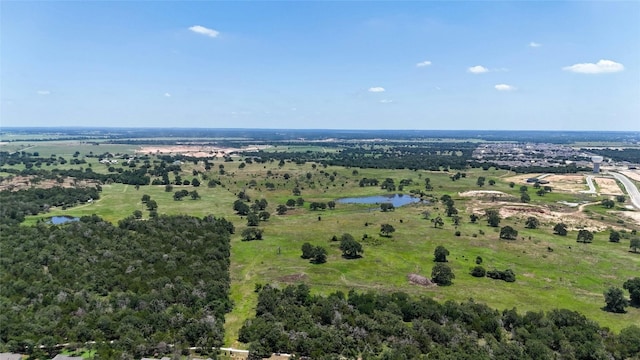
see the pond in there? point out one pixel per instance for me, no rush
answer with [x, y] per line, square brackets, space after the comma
[57, 220]
[396, 199]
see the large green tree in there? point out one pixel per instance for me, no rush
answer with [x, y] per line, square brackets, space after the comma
[351, 249]
[614, 300]
[440, 254]
[442, 274]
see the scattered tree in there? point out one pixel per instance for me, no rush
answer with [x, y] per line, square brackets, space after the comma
[440, 254]
[281, 209]
[560, 229]
[351, 249]
[508, 233]
[621, 198]
[253, 219]
[331, 204]
[634, 244]
[386, 230]
[387, 207]
[532, 222]
[478, 271]
[608, 203]
[585, 236]
[633, 286]
[442, 274]
[437, 222]
[524, 197]
[615, 301]
[614, 236]
[493, 217]
[251, 233]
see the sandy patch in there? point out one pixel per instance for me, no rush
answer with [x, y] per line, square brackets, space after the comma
[567, 183]
[197, 150]
[483, 193]
[632, 174]
[522, 179]
[419, 280]
[608, 186]
[632, 215]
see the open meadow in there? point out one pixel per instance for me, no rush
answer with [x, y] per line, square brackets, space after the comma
[552, 271]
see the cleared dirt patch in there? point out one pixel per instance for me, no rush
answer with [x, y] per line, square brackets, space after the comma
[632, 174]
[608, 186]
[197, 151]
[632, 215]
[568, 183]
[484, 193]
[293, 278]
[419, 280]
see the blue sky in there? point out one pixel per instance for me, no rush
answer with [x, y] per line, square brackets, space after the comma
[339, 65]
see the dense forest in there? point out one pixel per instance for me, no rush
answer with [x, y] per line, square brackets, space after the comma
[396, 326]
[18, 204]
[145, 285]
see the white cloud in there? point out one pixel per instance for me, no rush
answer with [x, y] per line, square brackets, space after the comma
[504, 87]
[534, 44]
[167, 95]
[478, 69]
[386, 101]
[601, 67]
[43, 92]
[424, 63]
[204, 31]
[376, 89]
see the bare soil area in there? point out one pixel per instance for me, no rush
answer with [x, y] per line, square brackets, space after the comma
[16, 183]
[608, 186]
[568, 183]
[632, 174]
[419, 280]
[483, 193]
[196, 151]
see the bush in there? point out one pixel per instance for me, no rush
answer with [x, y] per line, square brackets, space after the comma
[478, 271]
[507, 275]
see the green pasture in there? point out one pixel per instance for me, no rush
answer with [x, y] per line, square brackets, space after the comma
[552, 271]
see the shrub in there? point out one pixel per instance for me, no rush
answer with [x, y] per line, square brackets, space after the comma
[478, 271]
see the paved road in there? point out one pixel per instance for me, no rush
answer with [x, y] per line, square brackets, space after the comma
[592, 187]
[632, 189]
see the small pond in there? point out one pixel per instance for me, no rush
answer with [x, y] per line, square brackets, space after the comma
[396, 199]
[57, 220]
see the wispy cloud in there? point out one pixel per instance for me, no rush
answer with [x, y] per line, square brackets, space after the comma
[504, 87]
[386, 101]
[424, 63]
[534, 44]
[478, 69]
[43, 92]
[167, 95]
[204, 31]
[601, 67]
[376, 89]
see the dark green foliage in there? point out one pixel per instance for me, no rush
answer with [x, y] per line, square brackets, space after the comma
[105, 283]
[15, 205]
[634, 244]
[621, 198]
[608, 203]
[507, 275]
[614, 236]
[493, 217]
[387, 207]
[437, 222]
[478, 260]
[387, 230]
[560, 229]
[253, 219]
[508, 233]
[478, 271]
[351, 249]
[532, 222]
[281, 209]
[633, 286]
[614, 300]
[473, 218]
[524, 197]
[442, 274]
[251, 233]
[585, 236]
[241, 207]
[440, 254]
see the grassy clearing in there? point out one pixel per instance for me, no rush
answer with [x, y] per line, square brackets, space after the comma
[571, 276]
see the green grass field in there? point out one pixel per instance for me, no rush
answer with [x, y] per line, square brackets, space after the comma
[572, 275]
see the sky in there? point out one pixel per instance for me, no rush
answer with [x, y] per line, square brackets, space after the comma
[494, 65]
